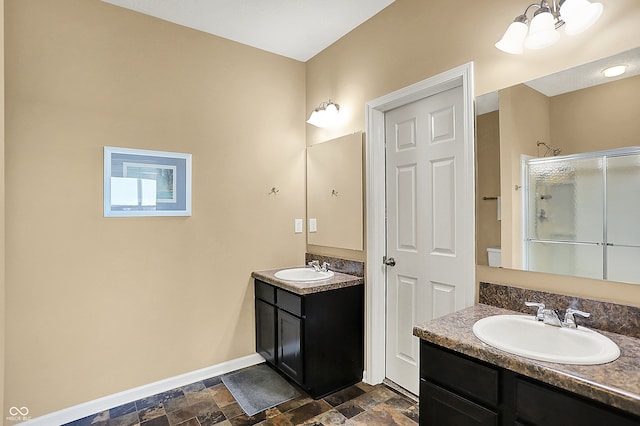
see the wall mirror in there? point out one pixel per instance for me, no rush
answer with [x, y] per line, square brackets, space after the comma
[334, 193]
[559, 173]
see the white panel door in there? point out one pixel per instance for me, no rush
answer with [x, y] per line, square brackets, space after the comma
[424, 178]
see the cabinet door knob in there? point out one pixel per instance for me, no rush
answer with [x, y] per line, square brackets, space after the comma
[389, 261]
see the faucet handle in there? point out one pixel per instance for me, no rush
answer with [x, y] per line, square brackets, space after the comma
[325, 266]
[570, 319]
[540, 306]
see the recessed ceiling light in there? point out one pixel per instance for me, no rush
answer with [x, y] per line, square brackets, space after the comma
[614, 71]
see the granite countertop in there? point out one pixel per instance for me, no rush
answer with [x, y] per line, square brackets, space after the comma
[616, 383]
[339, 280]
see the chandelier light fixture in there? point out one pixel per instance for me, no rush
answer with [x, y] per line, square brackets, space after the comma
[541, 32]
[325, 115]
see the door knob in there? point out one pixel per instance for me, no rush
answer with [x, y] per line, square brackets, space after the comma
[389, 261]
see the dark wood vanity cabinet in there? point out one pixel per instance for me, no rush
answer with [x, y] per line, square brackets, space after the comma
[462, 391]
[316, 339]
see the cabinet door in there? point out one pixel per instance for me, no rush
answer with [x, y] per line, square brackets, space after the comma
[289, 347]
[266, 330]
[443, 408]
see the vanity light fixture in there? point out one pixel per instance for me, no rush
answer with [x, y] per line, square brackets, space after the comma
[576, 15]
[325, 115]
[614, 71]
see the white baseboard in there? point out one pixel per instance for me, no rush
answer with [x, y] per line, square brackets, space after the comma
[98, 405]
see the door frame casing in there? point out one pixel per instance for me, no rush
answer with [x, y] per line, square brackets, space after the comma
[375, 298]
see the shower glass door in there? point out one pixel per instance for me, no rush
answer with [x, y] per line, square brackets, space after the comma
[622, 218]
[581, 215]
[564, 208]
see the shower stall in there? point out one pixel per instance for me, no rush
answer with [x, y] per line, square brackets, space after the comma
[582, 215]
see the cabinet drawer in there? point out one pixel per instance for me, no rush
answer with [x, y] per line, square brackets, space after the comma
[265, 292]
[441, 407]
[477, 381]
[290, 302]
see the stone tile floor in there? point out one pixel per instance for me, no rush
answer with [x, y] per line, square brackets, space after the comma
[208, 402]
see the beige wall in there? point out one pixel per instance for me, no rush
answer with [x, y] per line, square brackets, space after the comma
[2, 217]
[524, 120]
[577, 117]
[487, 184]
[413, 39]
[99, 305]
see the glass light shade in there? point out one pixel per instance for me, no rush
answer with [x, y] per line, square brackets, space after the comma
[313, 118]
[322, 120]
[324, 116]
[579, 15]
[542, 31]
[319, 118]
[331, 114]
[331, 110]
[513, 38]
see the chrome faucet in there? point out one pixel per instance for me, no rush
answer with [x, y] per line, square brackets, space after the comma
[315, 264]
[552, 317]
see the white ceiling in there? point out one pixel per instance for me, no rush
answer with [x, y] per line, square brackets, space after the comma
[576, 78]
[587, 75]
[298, 29]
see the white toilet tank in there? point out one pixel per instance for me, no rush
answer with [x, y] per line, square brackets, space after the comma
[495, 256]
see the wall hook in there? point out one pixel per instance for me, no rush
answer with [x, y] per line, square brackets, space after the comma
[334, 192]
[274, 190]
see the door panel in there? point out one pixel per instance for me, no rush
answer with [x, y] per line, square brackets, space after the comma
[406, 224]
[425, 155]
[406, 132]
[443, 125]
[406, 294]
[443, 296]
[443, 188]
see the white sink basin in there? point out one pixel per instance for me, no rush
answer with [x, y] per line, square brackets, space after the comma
[303, 274]
[524, 336]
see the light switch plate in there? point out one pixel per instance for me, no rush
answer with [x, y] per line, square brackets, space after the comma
[298, 226]
[313, 225]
